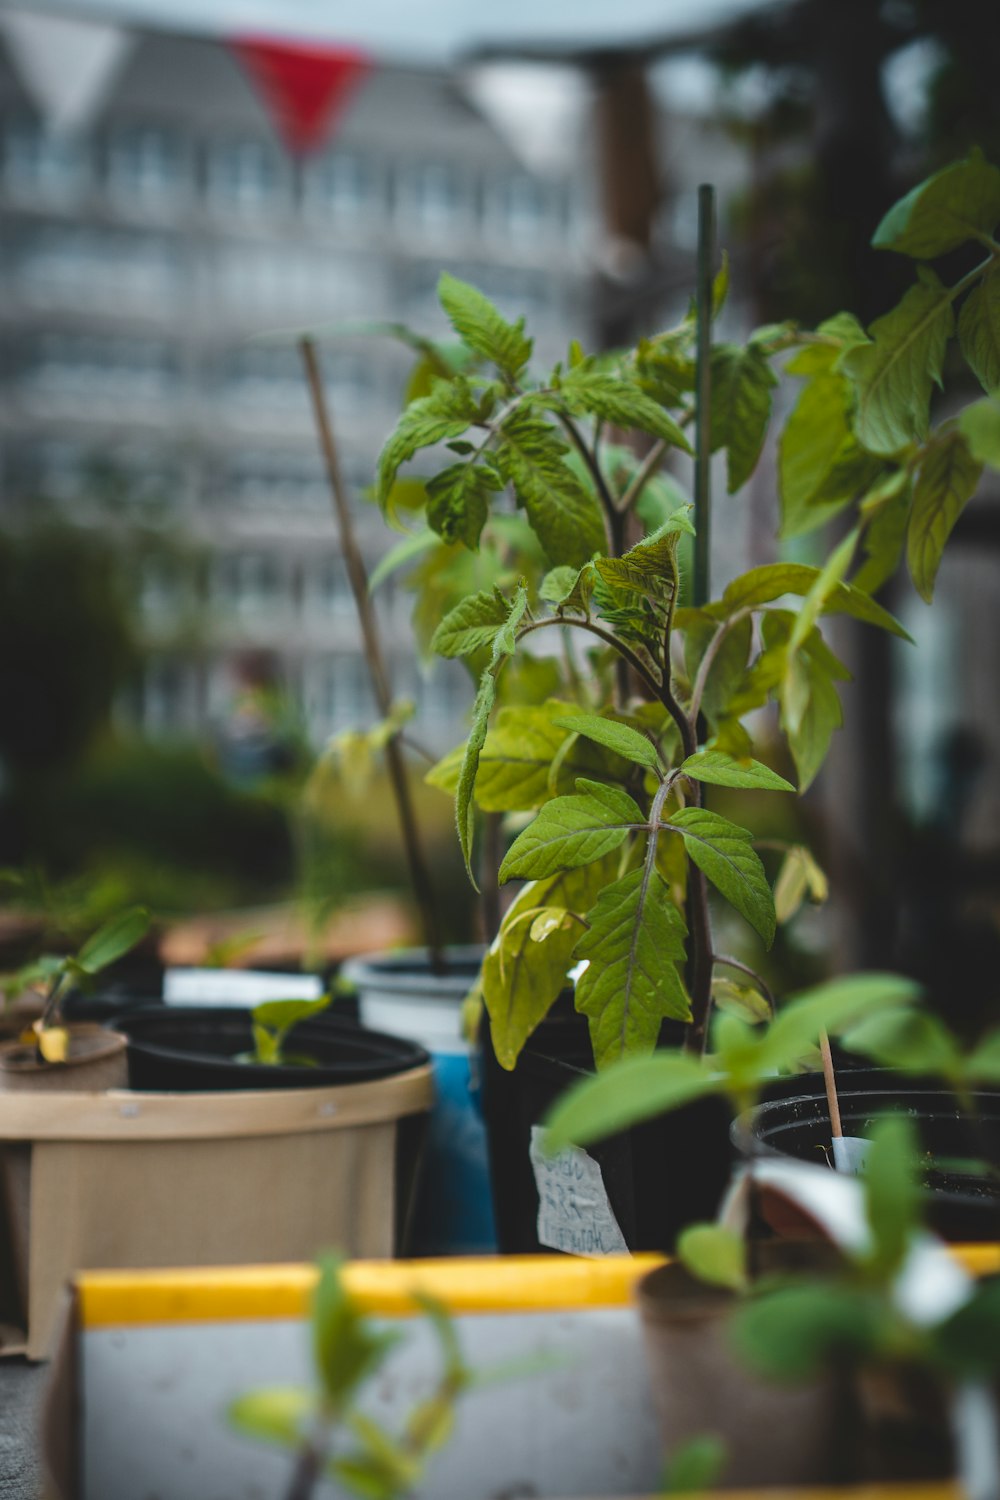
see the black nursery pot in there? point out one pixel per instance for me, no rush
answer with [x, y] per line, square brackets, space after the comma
[960, 1206]
[194, 1049]
[658, 1176]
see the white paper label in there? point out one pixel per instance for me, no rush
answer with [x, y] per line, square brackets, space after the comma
[850, 1153]
[239, 987]
[573, 1209]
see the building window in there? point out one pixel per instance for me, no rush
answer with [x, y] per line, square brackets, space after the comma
[431, 197]
[326, 591]
[248, 585]
[39, 164]
[341, 186]
[146, 167]
[524, 209]
[243, 175]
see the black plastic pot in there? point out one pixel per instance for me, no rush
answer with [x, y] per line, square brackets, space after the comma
[960, 1206]
[192, 1049]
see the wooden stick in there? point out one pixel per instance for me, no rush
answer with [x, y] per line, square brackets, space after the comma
[701, 582]
[419, 870]
[830, 1080]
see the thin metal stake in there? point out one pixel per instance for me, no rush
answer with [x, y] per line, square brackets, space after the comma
[701, 584]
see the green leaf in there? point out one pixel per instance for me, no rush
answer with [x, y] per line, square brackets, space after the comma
[695, 1464]
[526, 759]
[451, 408]
[715, 1255]
[800, 876]
[344, 1347]
[572, 831]
[893, 374]
[892, 1195]
[648, 568]
[979, 331]
[564, 514]
[810, 441]
[281, 1015]
[407, 551]
[883, 539]
[983, 1063]
[794, 1332]
[480, 326]
[834, 1007]
[773, 580]
[280, 1414]
[722, 770]
[947, 481]
[525, 969]
[913, 1041]
[823, 350]
[631, 983]
[809, 702]
[966, 1343]
[633, 1090]
[740, 1000]
[728, 669]
[726, 854]
[504, 643]
[458, 502]
[961, 202]
[113, 940]
[620, 401]
[472, 625]
[829, 578]
[980, 426]
[613, 735]
[742, 381]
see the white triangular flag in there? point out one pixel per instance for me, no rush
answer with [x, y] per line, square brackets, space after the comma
[66, 66]
[539, 109]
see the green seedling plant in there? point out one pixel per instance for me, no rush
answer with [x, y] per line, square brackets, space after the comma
[272, 1020]
[324, 1426]
[658, 695]
[59, 973]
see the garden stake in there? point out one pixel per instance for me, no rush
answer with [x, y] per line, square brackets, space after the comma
[419, 871]
[703, 421]
[830, 1083]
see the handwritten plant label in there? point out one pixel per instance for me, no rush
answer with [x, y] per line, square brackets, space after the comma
[573, 1209]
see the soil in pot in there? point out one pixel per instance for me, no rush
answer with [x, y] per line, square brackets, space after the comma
[400, 993]
[961, 1205]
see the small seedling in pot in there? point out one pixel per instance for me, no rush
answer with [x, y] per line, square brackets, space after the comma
[61, 972]
[272, 1021]
[349, 1348]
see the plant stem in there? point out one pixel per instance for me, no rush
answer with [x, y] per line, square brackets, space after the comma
[590, 459]
[729, 962]
[705, 665]
[418, 867]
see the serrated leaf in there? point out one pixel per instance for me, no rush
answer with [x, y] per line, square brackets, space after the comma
[472, 625]
[648, 568]
[742, 381]
[636, 1089]
[883, 540]
[980, 426]
[631, 983]
[481, 327]
[522, 977]
[564, 514]
[979, 331]
[504, 643]
[572, 831]
[956, 204]
[725, 853]
[773, 580]
[722, 770]
[450, 409]
[113, 940]
[620, 401]
[714, 1255]
[613, 735]
[568, 588]
[893, 375]
[947, 481]
[458, 502]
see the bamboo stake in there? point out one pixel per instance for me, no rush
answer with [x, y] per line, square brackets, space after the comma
[830, 1082]
[419, 871]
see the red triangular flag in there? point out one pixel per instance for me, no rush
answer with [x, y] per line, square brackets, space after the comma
[304, 86]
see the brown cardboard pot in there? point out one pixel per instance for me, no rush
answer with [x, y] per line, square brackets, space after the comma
[96, 1062]
[773, 1435]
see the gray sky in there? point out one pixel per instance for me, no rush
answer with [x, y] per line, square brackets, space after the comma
[415, 30]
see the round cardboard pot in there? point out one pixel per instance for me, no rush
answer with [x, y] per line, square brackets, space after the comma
[197, 1049]
[959, 1206]
[773, 1435]
[96, 1062]
[400, 993]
